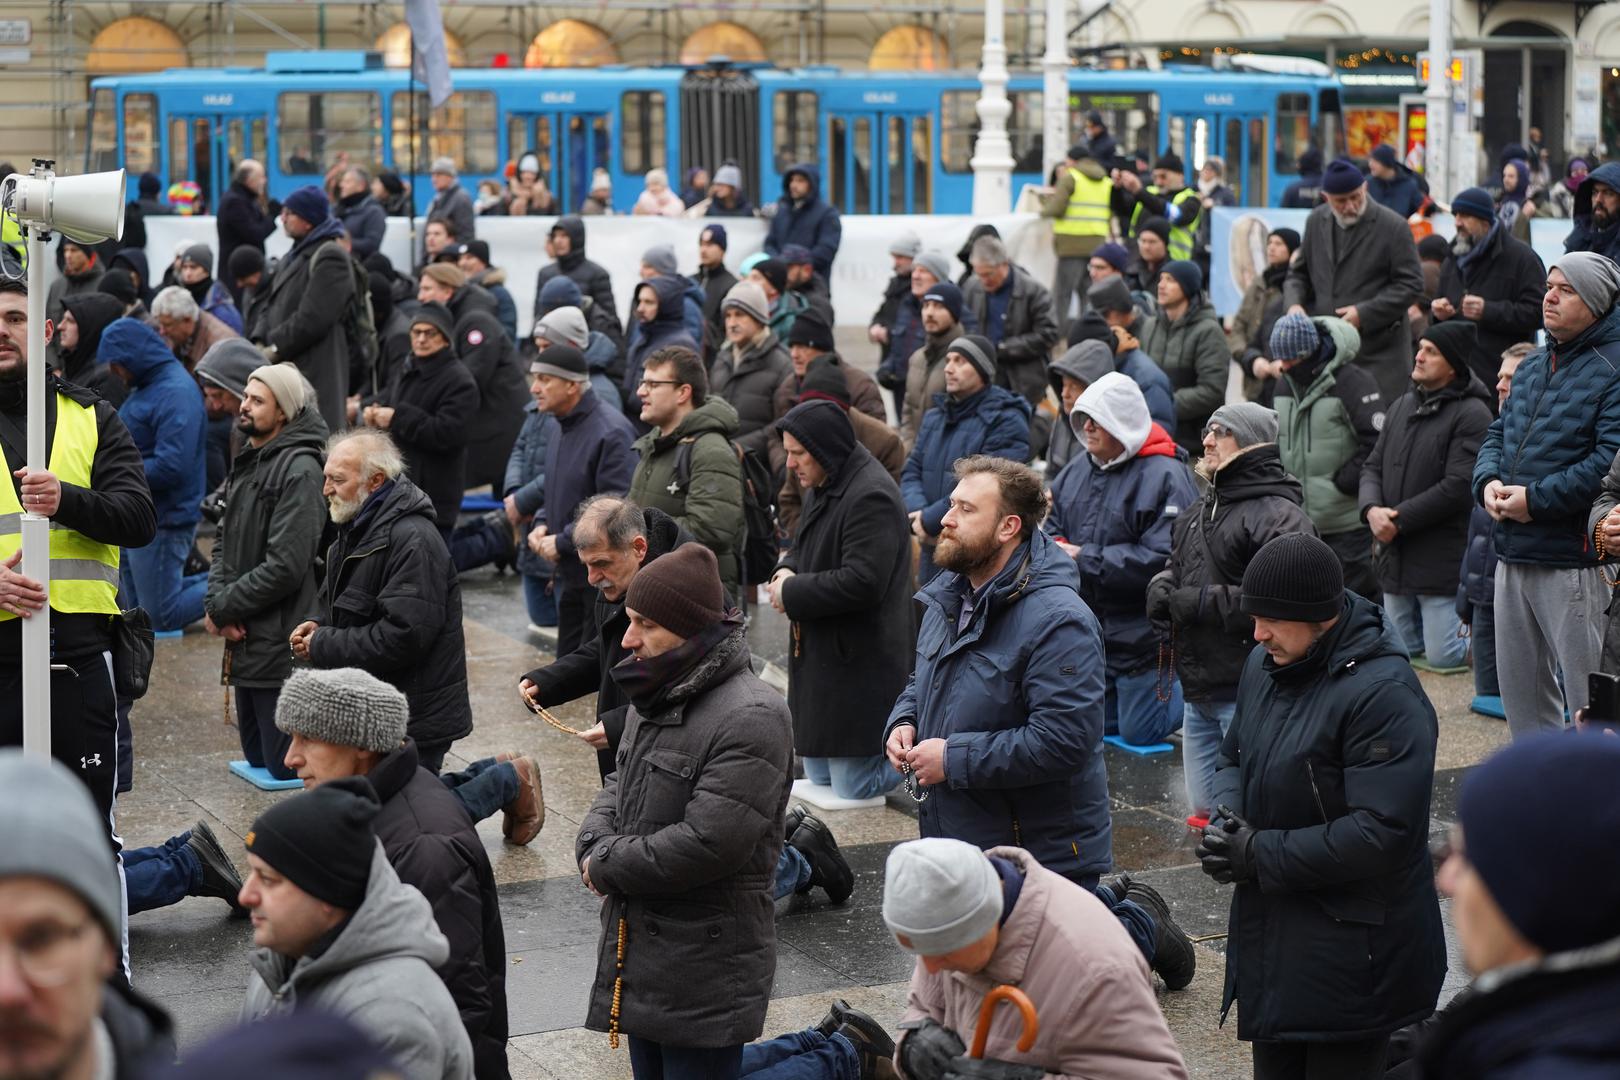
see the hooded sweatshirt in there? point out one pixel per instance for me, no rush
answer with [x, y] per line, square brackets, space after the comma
[593, 281]
[809, 222]
[1586, 235]
[1086, 362]
[667, 328]
[165, 417]
[94, 312]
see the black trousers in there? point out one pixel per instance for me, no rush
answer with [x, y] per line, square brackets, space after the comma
[84, 724]
[574, 600]
[1359, 1060]
[1354, 549]
[263, 744]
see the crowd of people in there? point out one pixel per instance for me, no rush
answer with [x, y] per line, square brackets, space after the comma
[1086, 511]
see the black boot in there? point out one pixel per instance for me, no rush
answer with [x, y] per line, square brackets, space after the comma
[219, 876]
[872, 1044]
[827, 866]
[795, 817]
[1174, 958]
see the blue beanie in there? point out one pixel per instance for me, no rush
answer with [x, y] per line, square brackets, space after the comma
[1187, 275]
[1114, 255]
[560, 291]
[715, 234]
[1475, 202]
[1341, 178]
[308, 202]
[948, 294]
[1539, 821]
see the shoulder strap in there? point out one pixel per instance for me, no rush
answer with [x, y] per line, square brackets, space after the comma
[683, 461]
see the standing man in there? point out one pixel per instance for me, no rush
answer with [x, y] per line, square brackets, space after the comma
[716, 282]
[1186, 341]
[1390, 184]
[362, 215]
[1323, 786]
[1001, 722]
[566, 242]
[590, 454]
[1540, 469]
[941, 319]
[262, 580]
[1015, 312]
[688, 468]
[1357, 261]
[1168, 197]
[1491, 280]
[245, 218]
[693, 857]
[390, 602]
[845, 587]
[1416, 494]
[474, 262]
[94, 490]
[189, 330]
[749, 365]
[451, 203]
[803, 217]
[1079, 205]
[304, 306]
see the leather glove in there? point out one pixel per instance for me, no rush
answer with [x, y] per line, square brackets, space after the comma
[928, 1048]
[273, 208]
[1158, 602]
[1226, 852]
[966, 1068]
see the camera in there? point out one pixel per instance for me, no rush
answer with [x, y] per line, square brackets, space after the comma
[1602, 701]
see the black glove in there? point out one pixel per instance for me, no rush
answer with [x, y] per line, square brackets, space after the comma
[928, 1048]
[966, 1068]
[1226, 851]
[273, 208]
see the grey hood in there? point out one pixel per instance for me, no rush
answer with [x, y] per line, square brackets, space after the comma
[1087, 361]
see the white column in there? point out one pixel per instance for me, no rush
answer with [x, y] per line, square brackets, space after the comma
[992, 161]
[1438, 99]
[1055, 89]
[36, 530]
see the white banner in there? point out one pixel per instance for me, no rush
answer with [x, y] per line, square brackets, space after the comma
[860, 273]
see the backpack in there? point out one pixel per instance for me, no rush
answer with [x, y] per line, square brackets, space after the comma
[759, 551]
[359, 322]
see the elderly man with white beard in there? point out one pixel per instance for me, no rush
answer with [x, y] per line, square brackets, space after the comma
[1358, 262]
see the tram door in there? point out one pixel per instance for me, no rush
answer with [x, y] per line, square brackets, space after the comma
[206, 150]
[570, 145]
[1240, 138]
[878, 162]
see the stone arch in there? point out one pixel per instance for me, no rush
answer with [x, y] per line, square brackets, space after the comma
[909, 48]
[726, 39]
[1215, 22]
[571, 43]
[395, 45]
[1323, 20]
[135, 44]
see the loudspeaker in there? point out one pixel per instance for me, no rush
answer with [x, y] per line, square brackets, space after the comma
[88, 208]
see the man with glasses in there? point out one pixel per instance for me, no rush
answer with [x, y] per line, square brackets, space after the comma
[688, 468]
[61, 1013]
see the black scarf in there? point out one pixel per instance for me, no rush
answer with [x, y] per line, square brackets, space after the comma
[662, 680]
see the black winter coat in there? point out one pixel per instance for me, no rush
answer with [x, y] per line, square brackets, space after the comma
[141, 1033]
[1507, 274]
[363, 216]
[241, 223]
[1331, 759]
[593, 281]
[1422, 467]
[1476, 586]
[263, 571]
[683, 842]
[715, 284]
[850, 604]
[482, 345]
[749, 385]
[586, 668]
[391, 604]
[433, 845]
[435, 403]
[303, 309]
[1249, 501]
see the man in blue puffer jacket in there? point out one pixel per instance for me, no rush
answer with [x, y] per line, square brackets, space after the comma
[1538, 473]
[1113, 508]
[165, 416]
[804, 218]
[971, 417]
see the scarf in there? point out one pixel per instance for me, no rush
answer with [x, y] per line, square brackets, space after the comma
[655, 682]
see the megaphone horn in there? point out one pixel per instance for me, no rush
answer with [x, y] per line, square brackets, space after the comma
[88, 208]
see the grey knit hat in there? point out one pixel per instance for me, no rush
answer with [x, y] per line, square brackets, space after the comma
[1595, 279]
[661, 257]
[1248, 422]
[906, 244]
[935, 262]
[287, 384]
[54, 832]
[940, 894]
[230, 363]
[346, 706]
[1111, 294]
[749, 299]
[564, 326]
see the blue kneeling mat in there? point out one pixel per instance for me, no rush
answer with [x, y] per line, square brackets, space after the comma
[1144, 750]
[260, 777]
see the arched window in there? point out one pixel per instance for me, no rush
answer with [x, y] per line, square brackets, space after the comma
[135, 44]
[571, 43]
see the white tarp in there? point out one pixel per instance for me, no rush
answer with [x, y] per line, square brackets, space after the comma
[860, 274]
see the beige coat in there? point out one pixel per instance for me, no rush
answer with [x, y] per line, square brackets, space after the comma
[925, 377]
[1087, 980]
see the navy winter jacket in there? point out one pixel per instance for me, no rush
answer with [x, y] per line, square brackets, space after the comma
[1585, 236]
[588, 453]
[813, 224]
[526, 475]
[1557, 435]
[1476, 586]
[994, 421]
[1122, 519]
[1018, 698]
[667, 329]
[1400, 193]
[165, 416]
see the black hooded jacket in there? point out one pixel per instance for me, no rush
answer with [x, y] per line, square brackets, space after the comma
[667, 329]
[586, 669]
[94, 312]
[490, 356]
[593, 281]
[141, 1032]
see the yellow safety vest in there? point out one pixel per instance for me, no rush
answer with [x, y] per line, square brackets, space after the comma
[1088, 211]
[84, 572]
[11, 236]
[1181, 237]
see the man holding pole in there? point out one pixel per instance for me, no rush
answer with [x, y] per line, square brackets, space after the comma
[94, 492]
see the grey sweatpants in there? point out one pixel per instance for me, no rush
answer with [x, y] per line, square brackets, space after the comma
[1548, 621]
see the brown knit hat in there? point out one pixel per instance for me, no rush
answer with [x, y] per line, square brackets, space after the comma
[680, 591]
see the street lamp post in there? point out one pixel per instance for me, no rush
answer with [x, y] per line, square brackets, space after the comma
[992, 162]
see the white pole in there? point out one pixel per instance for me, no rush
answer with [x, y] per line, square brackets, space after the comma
[36, 530]
[1438, 97]
[992, 162]
[1055, 90]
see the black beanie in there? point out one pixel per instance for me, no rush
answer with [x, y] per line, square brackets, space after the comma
[1455, 338]
[322, 840]
[1294, 577]
[1434, 249]
[823, 428]
[244, 262]
[824, 381]
[680, 591]
[1090, 326]
[1156, 225]
[437, 316]
[1287, 236]
[773, 271]
[812, 330]
[977, 350]
[118, 283]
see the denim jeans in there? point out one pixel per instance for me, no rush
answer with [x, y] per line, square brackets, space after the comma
[1132, 709]
[477, 543]
[1136, 919]
[1483, 635]
[153, 578]
[484, 787]
[655, 1061]
[792, 872]
[537, 598]
[1203, 727]
[802, 1055]
[159, 876]
[1428, 625]
[852, 777]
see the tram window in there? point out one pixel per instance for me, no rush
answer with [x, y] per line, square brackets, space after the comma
[793, 122]
[103, 131]
[1175, 142]
[463, 129]
[958, 129]
[1132, 119]
[922, 166]
[1232, 145]
[179, 150]
[1330, 125]
[641, 139]
[530, 134]
[1025, 130]
[1258, 193]
[894, 165]
[1293, 130]
[140, 133]
[314, 129]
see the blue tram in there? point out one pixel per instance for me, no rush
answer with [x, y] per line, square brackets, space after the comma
[886, 142]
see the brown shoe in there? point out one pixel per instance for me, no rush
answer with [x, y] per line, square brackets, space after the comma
[524, 816]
